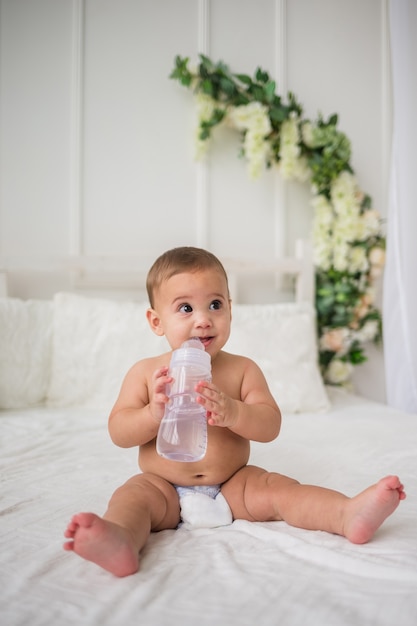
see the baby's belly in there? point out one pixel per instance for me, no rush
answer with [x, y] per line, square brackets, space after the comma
[225, 455]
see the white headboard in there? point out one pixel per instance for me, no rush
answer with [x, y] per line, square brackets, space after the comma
[287, 278]
[299, 269]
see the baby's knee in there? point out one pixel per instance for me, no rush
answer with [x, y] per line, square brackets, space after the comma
[152, 484]
[276, 481]
[142, 486]
[152, 495]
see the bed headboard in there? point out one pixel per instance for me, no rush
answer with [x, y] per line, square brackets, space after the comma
[283, 279]
[293, 276]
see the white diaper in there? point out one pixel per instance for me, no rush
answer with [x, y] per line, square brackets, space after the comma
[203, 506]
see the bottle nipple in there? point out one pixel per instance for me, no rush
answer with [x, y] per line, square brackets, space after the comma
[194, 342]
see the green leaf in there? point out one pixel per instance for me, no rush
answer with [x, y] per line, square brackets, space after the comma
[204, 133]
[181, 71]
[227, 86]
[356, 355]
[206, 63]
[244, 78]
[261, 76]
[258, 93]
[240, 99]
[207, 87]
[270, 90]
[278, 114]
[366, 202]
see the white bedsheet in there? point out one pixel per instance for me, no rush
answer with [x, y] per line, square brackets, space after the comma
[55, 462]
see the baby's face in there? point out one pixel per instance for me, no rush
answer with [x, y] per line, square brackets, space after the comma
[194, 304]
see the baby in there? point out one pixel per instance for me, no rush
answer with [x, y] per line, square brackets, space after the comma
[189, 297]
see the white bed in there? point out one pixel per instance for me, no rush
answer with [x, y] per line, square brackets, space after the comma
[56, 458]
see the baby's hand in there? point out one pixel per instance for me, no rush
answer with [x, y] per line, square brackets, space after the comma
[158, 396]
[221, 409]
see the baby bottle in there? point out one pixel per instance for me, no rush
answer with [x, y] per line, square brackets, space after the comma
[182, 434]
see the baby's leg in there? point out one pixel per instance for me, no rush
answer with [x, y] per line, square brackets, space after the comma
[254, 494]
[143, 504]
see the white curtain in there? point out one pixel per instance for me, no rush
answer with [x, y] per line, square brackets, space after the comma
[400, 280]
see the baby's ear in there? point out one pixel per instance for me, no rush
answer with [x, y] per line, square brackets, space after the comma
[155, 322]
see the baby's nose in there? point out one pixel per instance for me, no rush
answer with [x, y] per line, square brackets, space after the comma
[203, 320]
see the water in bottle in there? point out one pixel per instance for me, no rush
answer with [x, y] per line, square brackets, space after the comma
[182, 434]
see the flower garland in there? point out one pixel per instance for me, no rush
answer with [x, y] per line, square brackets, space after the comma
[348, 244]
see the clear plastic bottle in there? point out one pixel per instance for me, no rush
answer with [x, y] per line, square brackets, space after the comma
[182, 434]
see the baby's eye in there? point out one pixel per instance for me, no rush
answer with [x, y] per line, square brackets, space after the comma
[185, 308]
[215, 305]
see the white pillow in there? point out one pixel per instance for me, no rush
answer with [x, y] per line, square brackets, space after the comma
[25, 351]
[95, 342]
[281, 339]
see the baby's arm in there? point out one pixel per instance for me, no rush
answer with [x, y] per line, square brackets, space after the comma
[254, 416]
[134, 419]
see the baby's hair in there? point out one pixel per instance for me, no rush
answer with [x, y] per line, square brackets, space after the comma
[177, 261]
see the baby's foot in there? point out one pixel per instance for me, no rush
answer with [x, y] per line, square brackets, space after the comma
[102, 542]
[368, 510]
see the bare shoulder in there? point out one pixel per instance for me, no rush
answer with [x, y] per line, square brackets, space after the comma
[137, 380]
[149, 365]
[236, 367]
[245, 379]
[144, 369]
[227, 359]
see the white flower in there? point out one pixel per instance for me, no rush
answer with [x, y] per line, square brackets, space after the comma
[341, 255]
[256, 150]
[345, 227]
[205, 106]
[368, 225]
[344, 194]
[322, 255]
[338, 372]
[253, 115]
[322, 230]
[321, 203]
[302, 170]
[292, 165]
[307, 133]
[358, 261]
[253, 120]
[205, 109]
[368, 332]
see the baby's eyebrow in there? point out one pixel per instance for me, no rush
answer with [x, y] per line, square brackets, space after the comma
[181, 299]
[212, 296]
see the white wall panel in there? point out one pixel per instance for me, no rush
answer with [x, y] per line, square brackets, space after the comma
[34, 126]
[139, 180]
[243, 212]
[97, 142]
[336, 65]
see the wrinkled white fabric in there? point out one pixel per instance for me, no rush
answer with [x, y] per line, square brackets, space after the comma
[25, 351]
[56, 462]
[400, 281]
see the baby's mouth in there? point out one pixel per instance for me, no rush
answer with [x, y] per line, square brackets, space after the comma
[206, 341]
